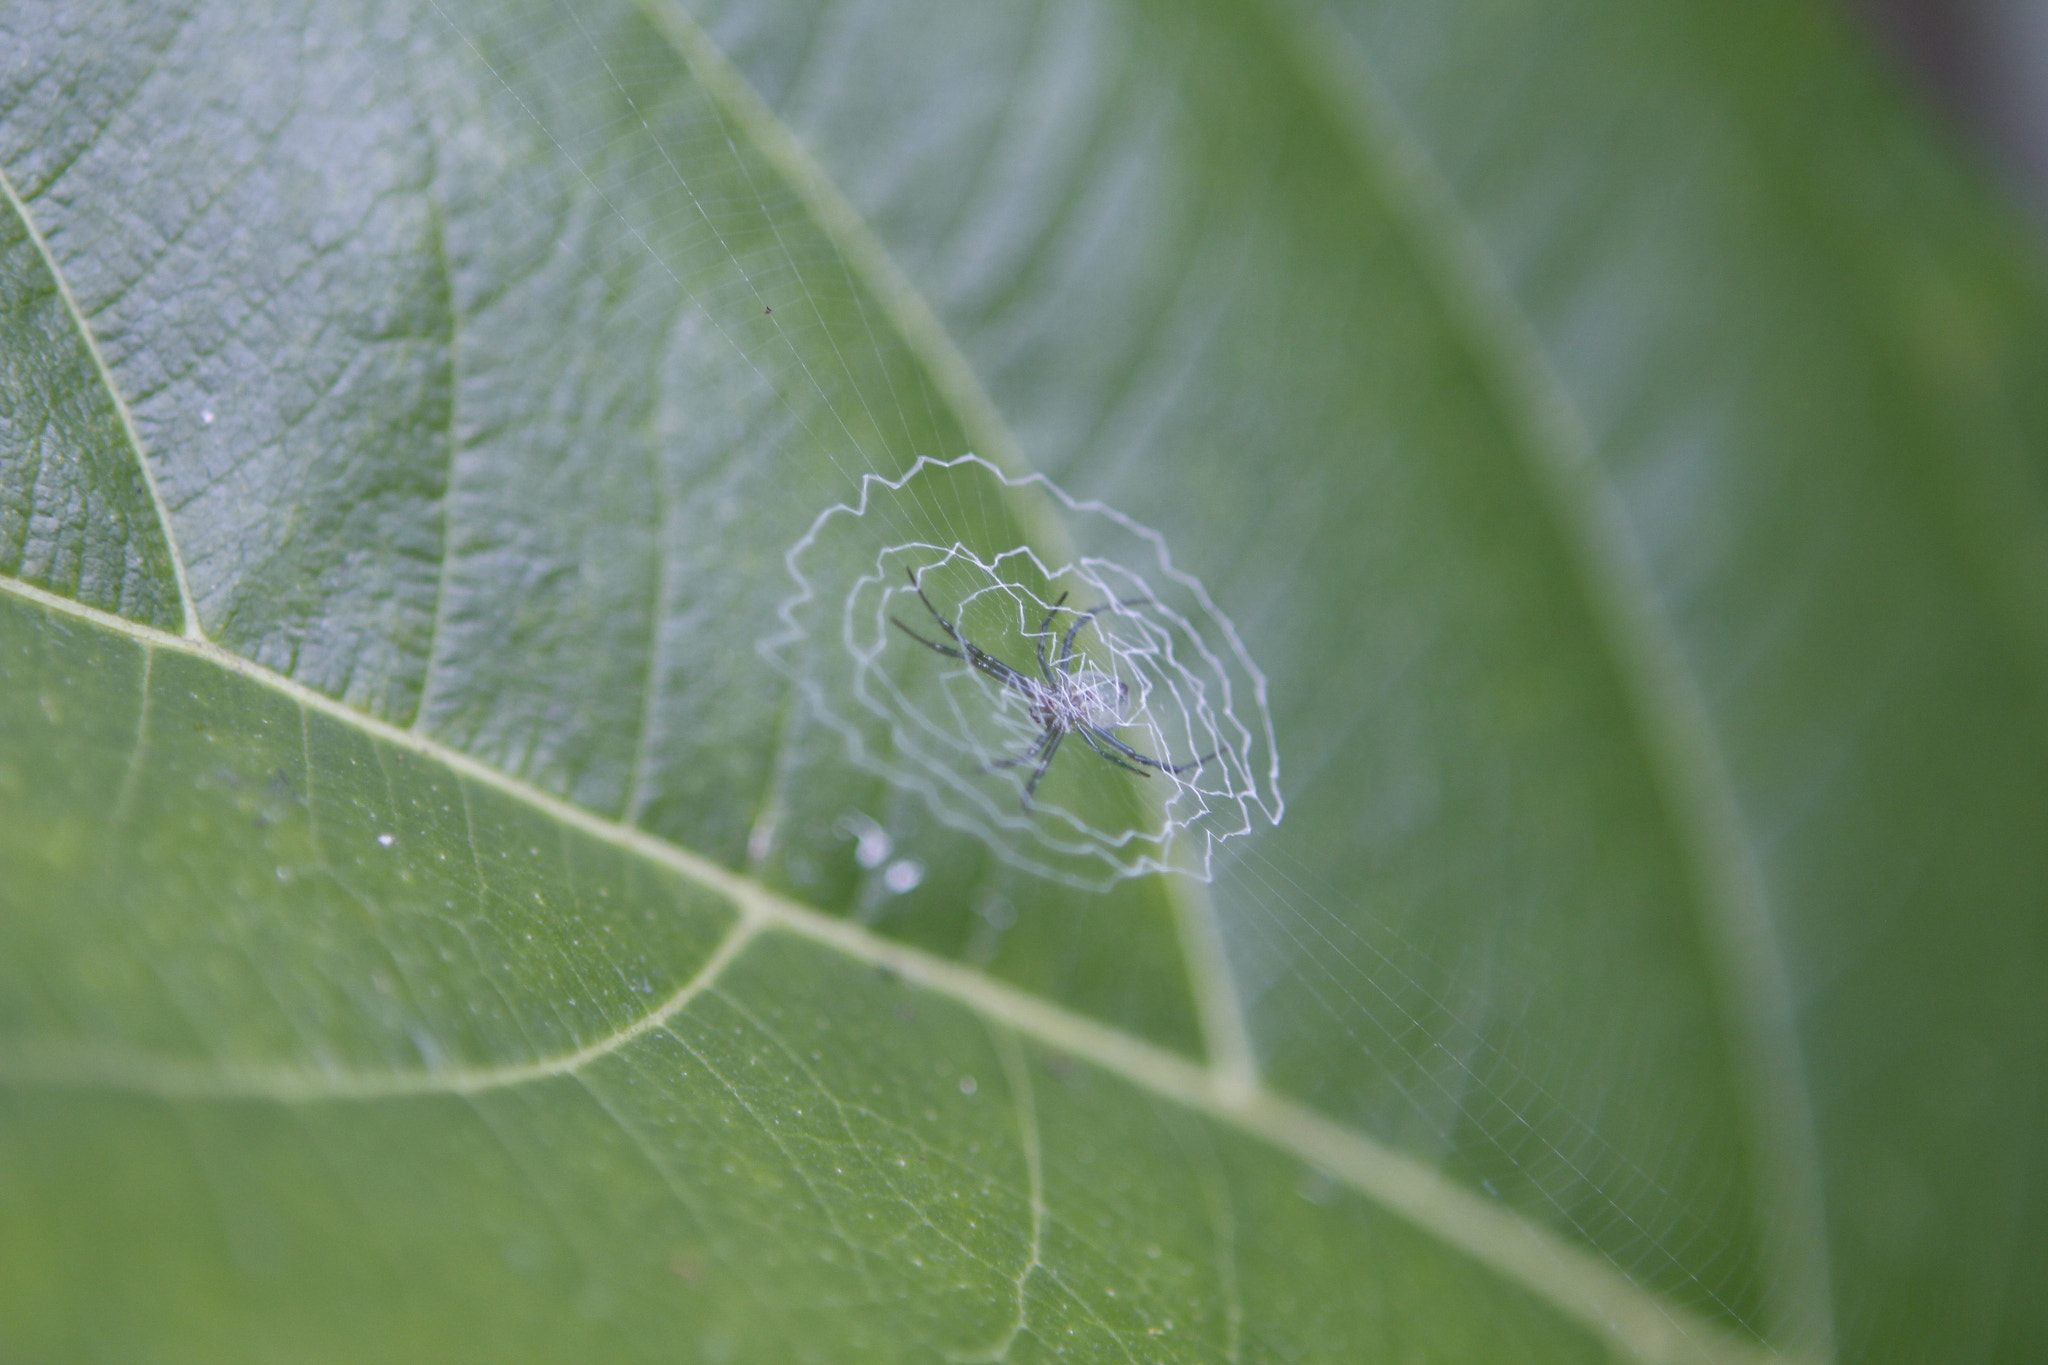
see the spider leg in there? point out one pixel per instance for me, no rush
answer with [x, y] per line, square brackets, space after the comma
[944, 624]
[928, 644]
[1128, 752]
[1030, 755]
[1001, 672]
[1039, 640]
[1065, 647]
[1067, 656]
[1096, 745]
[1050, 749]
[968, 651]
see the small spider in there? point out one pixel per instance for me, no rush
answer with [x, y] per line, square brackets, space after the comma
[1061, 701]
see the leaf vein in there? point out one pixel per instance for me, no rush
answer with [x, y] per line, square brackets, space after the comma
[1580, 1284]
[189, 614]
[1677, 734]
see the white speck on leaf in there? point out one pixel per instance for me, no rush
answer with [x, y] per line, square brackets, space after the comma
[871, 842]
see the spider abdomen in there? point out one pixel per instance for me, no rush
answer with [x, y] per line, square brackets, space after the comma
[1076, 701]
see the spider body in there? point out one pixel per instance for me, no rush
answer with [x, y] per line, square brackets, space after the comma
[1064, 699]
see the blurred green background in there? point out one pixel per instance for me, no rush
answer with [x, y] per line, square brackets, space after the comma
[1982, 61]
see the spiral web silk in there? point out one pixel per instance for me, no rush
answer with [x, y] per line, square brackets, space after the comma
[1152, 663]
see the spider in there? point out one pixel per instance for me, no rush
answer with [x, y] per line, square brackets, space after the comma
[1060, 701]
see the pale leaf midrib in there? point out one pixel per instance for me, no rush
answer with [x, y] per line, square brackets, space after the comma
[1677, 738]
[1575, 1281]
[841, 223]
[188, 612]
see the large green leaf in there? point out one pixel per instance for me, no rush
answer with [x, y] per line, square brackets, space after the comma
[431, 928]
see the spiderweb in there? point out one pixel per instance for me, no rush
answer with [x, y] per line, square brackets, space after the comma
[1115, 666]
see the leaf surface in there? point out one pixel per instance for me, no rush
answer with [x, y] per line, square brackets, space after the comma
[429, 926]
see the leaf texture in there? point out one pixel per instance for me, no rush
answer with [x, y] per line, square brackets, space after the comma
[429, 927]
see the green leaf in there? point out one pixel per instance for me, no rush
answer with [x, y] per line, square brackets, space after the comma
[430, 926]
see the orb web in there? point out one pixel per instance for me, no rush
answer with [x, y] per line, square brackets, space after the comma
[1115, 725]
